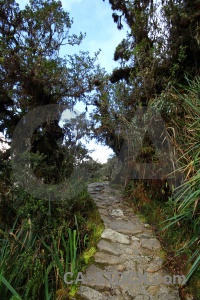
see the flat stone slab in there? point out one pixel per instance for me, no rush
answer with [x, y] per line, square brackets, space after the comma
[117, 212]
[134, 238]
[143, 297]
[125, 227]
[107, 259]
[136, 245]
[87, 293]
[103, 211]
[107, 247]
[130, 284]
[101, 205]
[154, 265]
[115, 236]
[98, 189]
[168, 296]
[151, 244]
[94, 278]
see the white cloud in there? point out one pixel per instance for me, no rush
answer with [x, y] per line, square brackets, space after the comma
[68, 4]
[3, 145]
[101, 153]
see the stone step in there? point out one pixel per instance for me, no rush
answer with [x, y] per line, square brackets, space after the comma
[94, 278]
[107, 259]
[115, 236]
[107, 247]
[87, 293]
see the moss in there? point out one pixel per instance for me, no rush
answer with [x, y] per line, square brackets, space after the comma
[162, 254]
[87, 255]
[95, 228]
[142, 218]
[73, 291]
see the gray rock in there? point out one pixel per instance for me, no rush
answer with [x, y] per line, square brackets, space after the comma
[101, 205]
[128, 251]
[107, 247]
[94, 278]
[154, 265]
[117, 213]
[170, 290]
[134, 238]
[121, 268]
[87, 293]
[168, 296]
[105, 258]
[189, 297]
[136, 245]
[116, 204]
[125, 227]
[153, 290]
[115, 236]
[143, 297]
[103, 211]
[99, 188]
[130, 284]
[151, 244]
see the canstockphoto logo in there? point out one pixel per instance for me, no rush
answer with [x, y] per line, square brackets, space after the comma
[117, 278]
[20, 154]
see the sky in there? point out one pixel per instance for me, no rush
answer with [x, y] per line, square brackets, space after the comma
[93, 17]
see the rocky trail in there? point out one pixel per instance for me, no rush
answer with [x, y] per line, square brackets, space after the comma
[128, 263]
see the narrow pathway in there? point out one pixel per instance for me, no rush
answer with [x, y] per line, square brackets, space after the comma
[128, 255]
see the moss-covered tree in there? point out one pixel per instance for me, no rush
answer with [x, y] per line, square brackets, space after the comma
[33, 74]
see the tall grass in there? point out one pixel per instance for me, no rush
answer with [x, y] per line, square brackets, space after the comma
[32, 269]
[186, 139]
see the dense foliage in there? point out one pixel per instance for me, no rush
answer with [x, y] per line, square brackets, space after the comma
[33, 74]
[40, 239]
[161, 46]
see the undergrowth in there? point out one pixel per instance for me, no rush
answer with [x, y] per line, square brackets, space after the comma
[35, 258]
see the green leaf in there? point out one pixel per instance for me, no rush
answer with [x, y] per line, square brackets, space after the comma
[7, 284]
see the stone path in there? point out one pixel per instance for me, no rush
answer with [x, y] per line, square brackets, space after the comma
[128, 255]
